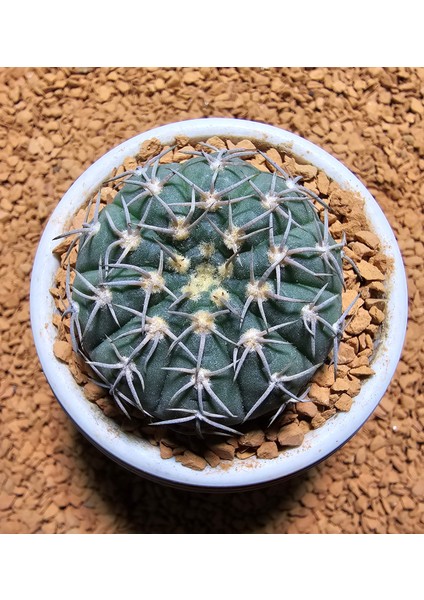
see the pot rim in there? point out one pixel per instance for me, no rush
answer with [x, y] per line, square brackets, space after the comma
[138, 455]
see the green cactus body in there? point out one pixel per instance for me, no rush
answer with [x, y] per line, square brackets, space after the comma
[208, 292]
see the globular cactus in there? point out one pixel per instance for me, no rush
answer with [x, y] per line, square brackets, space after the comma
[208, 292]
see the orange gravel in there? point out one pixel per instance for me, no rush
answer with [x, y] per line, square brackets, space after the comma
[53, 124]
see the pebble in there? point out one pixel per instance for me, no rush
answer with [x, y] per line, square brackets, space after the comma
[320, 394]
[212, 458]
[370, 272]
[224, 450]
[93, 391]
[291, 435]
[368, 238]
[344, 402]
[6, 500]
[359, 323]
[165, 451]
[307, 409]
[253, 438]
[267, 450]
[46, 116]
[192, 461]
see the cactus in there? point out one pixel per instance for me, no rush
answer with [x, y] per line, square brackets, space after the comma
[208, 293]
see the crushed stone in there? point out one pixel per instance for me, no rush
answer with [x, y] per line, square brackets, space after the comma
[54, 122]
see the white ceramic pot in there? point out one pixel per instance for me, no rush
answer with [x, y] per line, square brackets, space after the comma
[139, 456]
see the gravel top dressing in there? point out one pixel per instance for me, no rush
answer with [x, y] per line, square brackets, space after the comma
[54, 123]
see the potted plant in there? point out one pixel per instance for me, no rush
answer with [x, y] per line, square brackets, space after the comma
[208, 294]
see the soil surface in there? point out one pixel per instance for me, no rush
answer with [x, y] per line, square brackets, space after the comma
[54, 122]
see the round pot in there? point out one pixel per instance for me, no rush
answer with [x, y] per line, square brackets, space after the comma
[140, 456]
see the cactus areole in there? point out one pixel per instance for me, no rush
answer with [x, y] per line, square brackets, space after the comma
[208, 292]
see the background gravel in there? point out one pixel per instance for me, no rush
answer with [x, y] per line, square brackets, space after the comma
[54, 122]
